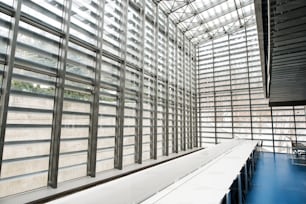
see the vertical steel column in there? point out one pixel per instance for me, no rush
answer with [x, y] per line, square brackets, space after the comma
[154, 138]
[231, 88]
[59, 98]
[7, 79]
[183, 139]
[139, 133]
[94, 112]
[118, 160]
[248, 67]
[166, 135]
[175, 149]
[198, 98]
[294, 120]
[190, 99]
[215, 109]
[272, 123]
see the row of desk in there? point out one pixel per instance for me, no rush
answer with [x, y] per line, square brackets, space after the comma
[205, 176]
[224, 180]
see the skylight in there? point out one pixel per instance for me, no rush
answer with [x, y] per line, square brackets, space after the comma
[203, 20]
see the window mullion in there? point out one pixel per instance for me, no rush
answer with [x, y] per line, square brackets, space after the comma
[59, 98]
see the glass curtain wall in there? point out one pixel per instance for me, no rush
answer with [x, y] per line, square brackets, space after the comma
[90, 86]
[231, 101]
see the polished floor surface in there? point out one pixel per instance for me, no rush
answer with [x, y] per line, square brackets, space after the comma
[277, 181]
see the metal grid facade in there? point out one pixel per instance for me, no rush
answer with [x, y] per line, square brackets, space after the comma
[88, 86]
[231, 100]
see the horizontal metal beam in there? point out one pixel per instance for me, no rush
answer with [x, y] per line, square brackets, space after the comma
[202, 10]
[287, 103]
[199, 23]
[239, 19]
[200, 41]
[172, 10]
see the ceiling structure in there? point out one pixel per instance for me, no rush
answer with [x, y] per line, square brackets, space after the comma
[203, 20]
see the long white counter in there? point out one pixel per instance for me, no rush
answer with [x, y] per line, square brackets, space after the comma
[201, 176]
[210, 183]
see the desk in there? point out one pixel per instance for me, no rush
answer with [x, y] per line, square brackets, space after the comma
[139, 186]
[210, 183]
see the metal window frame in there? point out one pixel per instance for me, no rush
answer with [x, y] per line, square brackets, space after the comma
[118, 160]
[249, 85]
[93, 131]
[257, 101]
[97, 84]
[196, 112]
[214, 91]
[166, 134]
[184, 139]
[7, 80]
[231, 94]
[192, 142]
[59, 99]
[139, 132]
[176, 148]
[153, 151]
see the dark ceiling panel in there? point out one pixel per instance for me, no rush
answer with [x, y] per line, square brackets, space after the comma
[287, 58]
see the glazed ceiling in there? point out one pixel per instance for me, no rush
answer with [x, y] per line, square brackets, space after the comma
[203, 20]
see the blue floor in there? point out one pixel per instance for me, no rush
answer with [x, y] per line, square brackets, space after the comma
[277, 181]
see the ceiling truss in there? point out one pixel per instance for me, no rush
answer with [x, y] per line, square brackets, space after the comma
[201, 20]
